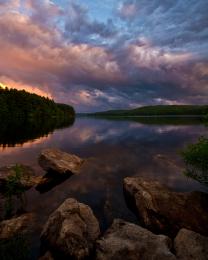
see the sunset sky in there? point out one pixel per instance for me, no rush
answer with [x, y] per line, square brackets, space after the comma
[106, 54]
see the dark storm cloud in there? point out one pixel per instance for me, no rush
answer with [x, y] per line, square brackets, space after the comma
[174, 24]
[80, 28]
[148, 52]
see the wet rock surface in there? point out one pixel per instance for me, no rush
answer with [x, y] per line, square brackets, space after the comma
[60, 162]
[190, 245]
[124, 240]
[163, 211]
[22, 175]
[71, 230]
[15, 226]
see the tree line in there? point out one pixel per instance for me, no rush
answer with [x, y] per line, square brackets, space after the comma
[21, 105]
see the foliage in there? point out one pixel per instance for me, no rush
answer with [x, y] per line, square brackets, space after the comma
[14, 187]
[15, 248]
[196, 159]
[25, 116]
[21, 105]
[174, 110]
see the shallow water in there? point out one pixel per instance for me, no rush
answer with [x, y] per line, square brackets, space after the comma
[116, 148]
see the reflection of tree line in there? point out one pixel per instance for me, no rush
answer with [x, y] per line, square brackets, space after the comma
[20, 131]
[156, 120]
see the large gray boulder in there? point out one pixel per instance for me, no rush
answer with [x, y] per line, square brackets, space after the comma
[128, 241]
[71, 230]
[60, 162]
[164, 211]
[19, 175]
[191, 246]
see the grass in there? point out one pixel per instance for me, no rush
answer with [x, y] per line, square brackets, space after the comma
[196, 159]
[14, 187]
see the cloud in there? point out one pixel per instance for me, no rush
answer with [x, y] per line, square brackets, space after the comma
[80, 28]
[127, 10]
[147, 53]
[43, 11]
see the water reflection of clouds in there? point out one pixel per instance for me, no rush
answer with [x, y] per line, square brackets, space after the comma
[166, 129]
[117, 149]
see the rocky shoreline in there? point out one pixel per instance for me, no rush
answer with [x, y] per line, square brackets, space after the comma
[173, 225]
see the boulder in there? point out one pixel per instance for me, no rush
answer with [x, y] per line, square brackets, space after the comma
[15, 226]
[164, 211]
[128, 241]
[190, 245]
[71, 230]
[60, 162]
[20, 175]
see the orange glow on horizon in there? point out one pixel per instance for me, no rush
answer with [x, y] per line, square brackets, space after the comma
[2, 85]
[19, 86]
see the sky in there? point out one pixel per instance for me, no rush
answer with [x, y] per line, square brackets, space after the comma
[107, 54]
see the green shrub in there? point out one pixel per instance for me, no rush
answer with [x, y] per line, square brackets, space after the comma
[14, 187]
[196, 159]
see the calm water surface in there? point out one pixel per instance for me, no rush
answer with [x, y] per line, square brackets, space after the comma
[116, 149]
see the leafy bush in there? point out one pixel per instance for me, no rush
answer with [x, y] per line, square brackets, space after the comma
[14, 187]
[196, 159]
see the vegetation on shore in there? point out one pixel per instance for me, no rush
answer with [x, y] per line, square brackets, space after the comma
[20, 105]
[14, 187]
[160, 110]
[196, 159]
[25, 116]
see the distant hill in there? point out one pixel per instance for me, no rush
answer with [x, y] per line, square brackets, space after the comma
[21, 105]
[160, 110]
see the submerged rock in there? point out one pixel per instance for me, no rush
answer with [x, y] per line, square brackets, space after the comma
[19, 175]
[60, 162]
[164, 211]
[50, 180]
[124, 240]
[15, 226]
[190, 245]
[71, 230]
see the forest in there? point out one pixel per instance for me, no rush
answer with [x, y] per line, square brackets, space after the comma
[159, 110]
[19, 105]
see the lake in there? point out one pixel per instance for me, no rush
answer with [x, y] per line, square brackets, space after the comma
[116, 149]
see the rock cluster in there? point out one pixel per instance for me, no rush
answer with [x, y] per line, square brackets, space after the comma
[173, 224]
[163, 211]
